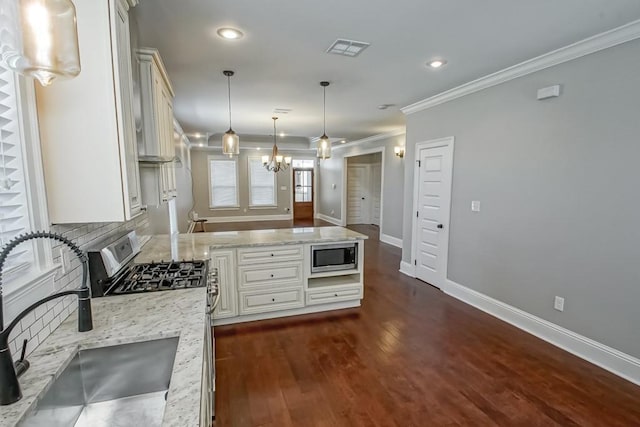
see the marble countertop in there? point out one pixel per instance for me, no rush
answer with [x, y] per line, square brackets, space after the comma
[120, 320]
[198, 245]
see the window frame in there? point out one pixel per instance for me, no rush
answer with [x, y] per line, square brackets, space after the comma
[275, 186]
[20, 291]
[211, 158]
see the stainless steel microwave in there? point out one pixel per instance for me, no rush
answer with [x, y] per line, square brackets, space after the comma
[334, 257]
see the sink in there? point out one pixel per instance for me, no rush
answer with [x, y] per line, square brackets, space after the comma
[120, 385]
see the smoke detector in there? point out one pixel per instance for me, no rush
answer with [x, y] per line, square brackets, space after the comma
[346, 47]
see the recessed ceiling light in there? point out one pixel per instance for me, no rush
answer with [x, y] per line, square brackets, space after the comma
[258, 148]
[230, 33]
[281, 134]
[343, 142]
[437, 63]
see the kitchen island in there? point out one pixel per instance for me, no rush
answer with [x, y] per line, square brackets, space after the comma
[264, 274]
[122, 320]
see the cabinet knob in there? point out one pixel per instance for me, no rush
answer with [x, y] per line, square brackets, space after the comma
[271, 254]
[273, 299]
[335, 295]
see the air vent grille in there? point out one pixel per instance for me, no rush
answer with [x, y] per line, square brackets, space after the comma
[346, 47]
[279, 111]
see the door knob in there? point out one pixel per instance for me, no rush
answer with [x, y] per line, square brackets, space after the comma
[439, 226]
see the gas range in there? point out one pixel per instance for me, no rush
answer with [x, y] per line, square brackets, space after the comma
[112, 270]
[160, 276]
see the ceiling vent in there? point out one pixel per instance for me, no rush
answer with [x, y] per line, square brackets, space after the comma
[280, 111]
[347, 47]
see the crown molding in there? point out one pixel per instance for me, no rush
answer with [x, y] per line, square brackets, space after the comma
[614, 37]
[397, 132]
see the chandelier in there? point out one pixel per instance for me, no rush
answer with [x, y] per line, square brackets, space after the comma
[276, 162]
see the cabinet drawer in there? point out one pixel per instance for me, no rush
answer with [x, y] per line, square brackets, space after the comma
[269, 254]
[267, 275]
[322, 296]
[263, 301]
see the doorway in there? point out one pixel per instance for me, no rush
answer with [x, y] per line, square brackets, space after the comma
[303, 194]
[432, 204]
[364, 189]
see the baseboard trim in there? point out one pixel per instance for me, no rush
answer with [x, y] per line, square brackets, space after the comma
[328, 218]
[610, 359]
[408, 269]
[393, 241]
[245, 218]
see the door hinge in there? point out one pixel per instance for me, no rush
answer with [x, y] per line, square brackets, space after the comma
[419, 162]
[415, 262]
[417, 214]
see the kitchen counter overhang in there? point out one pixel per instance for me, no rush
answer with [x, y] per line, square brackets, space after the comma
[198, 245]
[123, 320]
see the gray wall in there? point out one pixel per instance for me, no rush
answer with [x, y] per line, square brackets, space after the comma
[200, 173]
[558, 184]
[330, 172]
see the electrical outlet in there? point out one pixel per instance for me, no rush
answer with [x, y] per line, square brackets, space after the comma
[558, 304]
[475, 206]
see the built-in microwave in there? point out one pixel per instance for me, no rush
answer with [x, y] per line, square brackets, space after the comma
[334, 257]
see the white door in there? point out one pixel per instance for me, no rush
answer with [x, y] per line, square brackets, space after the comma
[358, 208]
[431, 230]
[376, 191]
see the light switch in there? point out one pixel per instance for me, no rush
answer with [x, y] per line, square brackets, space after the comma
[283, 188]
[475, 206]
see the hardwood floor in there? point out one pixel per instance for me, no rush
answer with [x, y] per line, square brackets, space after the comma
[410, 356]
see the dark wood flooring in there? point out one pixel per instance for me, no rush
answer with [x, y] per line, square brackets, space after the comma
[410, 356]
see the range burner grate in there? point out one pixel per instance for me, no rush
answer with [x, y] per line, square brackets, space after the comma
[161, 276]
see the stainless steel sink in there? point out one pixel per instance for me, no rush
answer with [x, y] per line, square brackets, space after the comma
[122, 385]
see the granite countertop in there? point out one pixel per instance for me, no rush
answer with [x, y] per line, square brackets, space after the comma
[120, 320]
[197, 245]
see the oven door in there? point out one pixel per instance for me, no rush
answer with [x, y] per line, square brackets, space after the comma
[334, 257]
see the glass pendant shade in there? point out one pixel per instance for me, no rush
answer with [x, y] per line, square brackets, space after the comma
[46, 43]
[324, 147]
[230, 143]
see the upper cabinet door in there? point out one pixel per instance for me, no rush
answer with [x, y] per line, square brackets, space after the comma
[130, 152]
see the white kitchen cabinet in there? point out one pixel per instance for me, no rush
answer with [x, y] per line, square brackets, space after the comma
[87, 126]
[225, 262]
[156, 147]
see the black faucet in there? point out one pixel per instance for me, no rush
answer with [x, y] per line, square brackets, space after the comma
[9, 385]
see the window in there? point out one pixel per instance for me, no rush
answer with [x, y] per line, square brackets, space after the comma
[223, 182]
[29, 271]
[14, 191]
[302, 164]
[262, 184]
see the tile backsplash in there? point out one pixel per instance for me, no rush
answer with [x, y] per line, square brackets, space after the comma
[39, 324]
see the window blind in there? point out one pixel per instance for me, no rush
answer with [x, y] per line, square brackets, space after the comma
[262, 191]
[224, 183]
[14, 206]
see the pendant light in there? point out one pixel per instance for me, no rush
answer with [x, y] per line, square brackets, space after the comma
[45, 45]
[276, 162]
[324, 144]
[230, 140]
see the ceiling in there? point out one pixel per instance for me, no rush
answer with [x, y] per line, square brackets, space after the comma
[281, 59]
